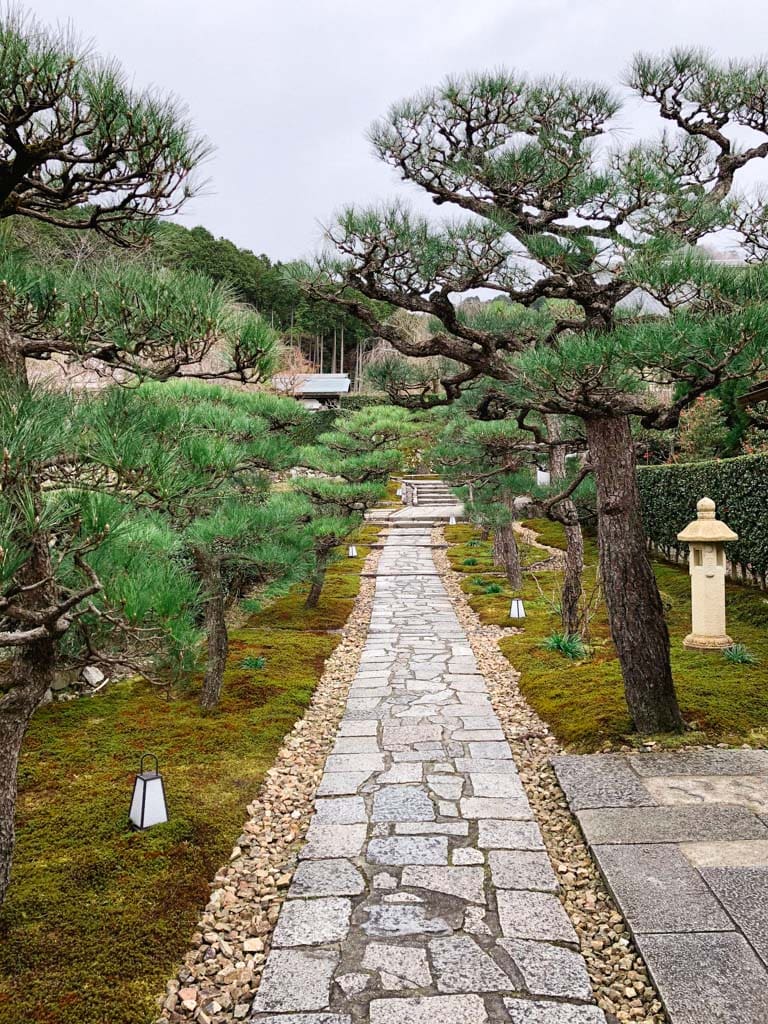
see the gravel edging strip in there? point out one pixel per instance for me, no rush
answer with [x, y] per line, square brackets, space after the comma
[221, 972]
[618, 975]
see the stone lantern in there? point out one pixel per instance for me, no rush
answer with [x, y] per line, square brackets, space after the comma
[706, 537]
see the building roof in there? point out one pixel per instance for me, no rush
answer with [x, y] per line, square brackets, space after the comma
[304, 385]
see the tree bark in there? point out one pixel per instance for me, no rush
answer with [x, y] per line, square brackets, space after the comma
[635, 611]
[30, 676]
[216, 630]
[318, 581]
[574, 550]
[506, 553]
[32, 667]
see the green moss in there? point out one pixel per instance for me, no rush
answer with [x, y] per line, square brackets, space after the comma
[583, 702]
[97, 917]
[549, 533]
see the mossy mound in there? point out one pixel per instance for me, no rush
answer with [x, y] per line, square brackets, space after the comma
[583, 701]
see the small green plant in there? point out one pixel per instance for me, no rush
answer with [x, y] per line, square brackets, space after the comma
[478, 581]
[739, 654]
[253, 663]
[470, 561]
[494, 588]
[570, 645]
[474, 543]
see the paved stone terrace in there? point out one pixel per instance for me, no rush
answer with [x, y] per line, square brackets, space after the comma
[682, 840]
[423, 894]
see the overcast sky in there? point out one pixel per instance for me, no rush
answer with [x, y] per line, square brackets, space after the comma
[285, 89]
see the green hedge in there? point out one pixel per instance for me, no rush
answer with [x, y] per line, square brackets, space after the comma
[739, 487]
[355, 402]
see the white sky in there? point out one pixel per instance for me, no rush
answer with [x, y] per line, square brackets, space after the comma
[285, 89]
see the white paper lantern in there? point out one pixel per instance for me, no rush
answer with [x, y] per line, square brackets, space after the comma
[517, 609]
[148, 803]
[452, 521]
[352, 551]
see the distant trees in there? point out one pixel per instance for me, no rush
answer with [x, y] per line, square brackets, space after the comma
[558, 212]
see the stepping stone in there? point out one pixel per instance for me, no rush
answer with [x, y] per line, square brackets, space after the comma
[340, 783]
[409, 850]
[461, 966]
[464, 883]
[549, 970]
[683, 824]
[402, 803]
[296, 979]
[522, 869]
[303, 1018]
[707, 977]
[658, 889]
[391, 919]
[444, 828]
[509, 835]
[534, 915]
[600, 780]
[312, 922]
[523, 1012]
[341, 810]
[701, 762]
[326, 878]
[324, 840]
[401, 967]
[429, 1010]
[490, 807]
[743, 893]
[507, 786]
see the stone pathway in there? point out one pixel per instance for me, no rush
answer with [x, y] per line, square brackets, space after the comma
[681, 838]
[423, 894]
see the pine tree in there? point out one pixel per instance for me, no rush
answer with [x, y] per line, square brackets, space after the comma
[556, 213]
[356, 460]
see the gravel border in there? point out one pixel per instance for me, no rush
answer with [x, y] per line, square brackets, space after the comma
[221, 972]
[619, 977]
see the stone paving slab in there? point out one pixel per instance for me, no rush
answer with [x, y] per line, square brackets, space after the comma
[423, 894]
[680, 837]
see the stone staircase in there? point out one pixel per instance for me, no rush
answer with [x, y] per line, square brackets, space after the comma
[432, 492]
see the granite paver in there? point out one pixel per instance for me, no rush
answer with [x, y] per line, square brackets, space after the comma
[422, 859]
[681, 839]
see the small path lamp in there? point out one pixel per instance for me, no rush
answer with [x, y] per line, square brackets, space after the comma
[452, 521]
[517, 609]
[352, 551]
[706, 537]
[148, 802]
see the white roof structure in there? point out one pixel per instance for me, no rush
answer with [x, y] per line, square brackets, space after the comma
[312, 385]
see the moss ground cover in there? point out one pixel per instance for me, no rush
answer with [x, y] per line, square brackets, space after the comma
[97, 916]
[583, 702]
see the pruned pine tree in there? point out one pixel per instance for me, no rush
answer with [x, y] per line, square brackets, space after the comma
[485, 459]
[356, 460]
[83, 151]
[559, 209]
[203, 457]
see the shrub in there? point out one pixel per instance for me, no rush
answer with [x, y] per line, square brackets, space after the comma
[739, 487]
[739, 654]
[494, 588]
[570, 645]
[470, 561]
[253, 663]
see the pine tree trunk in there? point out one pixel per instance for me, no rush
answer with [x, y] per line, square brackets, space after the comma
[572, 586]
[507, 555]
[574, 550]
[31, 671]
[30, 677]
[216, 629]
[318, 581]
[635, 611]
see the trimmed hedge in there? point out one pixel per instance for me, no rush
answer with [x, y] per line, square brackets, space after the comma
[739, 487]
[356, 401]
